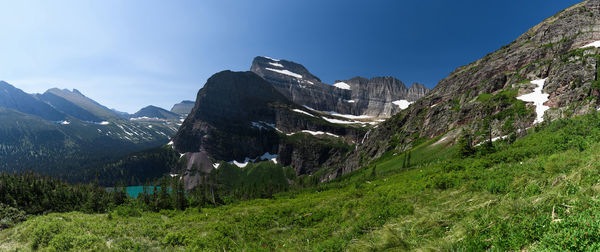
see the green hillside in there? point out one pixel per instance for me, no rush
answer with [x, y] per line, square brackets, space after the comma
[536, 193]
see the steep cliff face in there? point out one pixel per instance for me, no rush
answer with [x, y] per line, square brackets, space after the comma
[557, 59]
[382, 96]
[221, 121]
[377, 97]
[416, 91]
[183, 108]
[238, 116]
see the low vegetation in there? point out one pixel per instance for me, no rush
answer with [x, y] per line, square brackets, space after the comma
[535, 193]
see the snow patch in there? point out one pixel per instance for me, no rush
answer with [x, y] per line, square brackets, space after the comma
[275, 64]
[493, 140]
[538, 99]
[266, 156]
[170, 143]
[276, 60]
[285, 72]
[337, 121]
[333, 113]
[593, 44]
[145, 118]
[342, 85]
[65, 122]
[303, 112]
[216, 165]
[107, 123]
[350, 101]
[314, 133]
[403, 104]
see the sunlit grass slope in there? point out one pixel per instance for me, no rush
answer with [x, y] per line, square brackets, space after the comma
[538, 193]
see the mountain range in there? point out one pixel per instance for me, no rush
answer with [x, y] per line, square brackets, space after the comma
[377, 97]
[70, 134]
[280, 112]
[502, 155]
[549, 72]
[270, 112]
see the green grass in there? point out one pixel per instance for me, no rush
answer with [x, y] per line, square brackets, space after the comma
[538, 193]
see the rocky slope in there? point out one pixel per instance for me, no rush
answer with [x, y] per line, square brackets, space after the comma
[556, 59]
[378, 97]
[382, 96]
[153, 112]
[76, 103]
[238, 117]
[183, 108]
[14, 98]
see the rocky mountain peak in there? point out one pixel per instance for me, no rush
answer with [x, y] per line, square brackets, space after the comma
[593, 4]
[358, 96]
[560, 56]
[276, 68]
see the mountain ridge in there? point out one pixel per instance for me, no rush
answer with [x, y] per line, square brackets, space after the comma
[481, 99]
[299, 85]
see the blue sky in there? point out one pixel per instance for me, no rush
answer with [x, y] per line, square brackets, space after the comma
[129, 54]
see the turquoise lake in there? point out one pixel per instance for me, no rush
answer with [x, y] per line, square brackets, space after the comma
[133, 191]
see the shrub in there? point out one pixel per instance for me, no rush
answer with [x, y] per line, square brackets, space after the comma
[127, 211]
[442, 181]
[9, 216]
[174, 239]
[43, 233]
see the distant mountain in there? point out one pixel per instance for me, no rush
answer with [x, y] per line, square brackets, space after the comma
[153, 112]
[70, 148]
[123, 115]
[67, 135]
[14, 98]
[67, 107]
[78, 102]
[183, 108]
[377, 97]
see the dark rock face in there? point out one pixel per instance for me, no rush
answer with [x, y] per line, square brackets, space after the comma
[14, 98]
[239, 115]
[551, 50]
[221, 121]
[183, 108]
[357, 96]
[155, 112]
